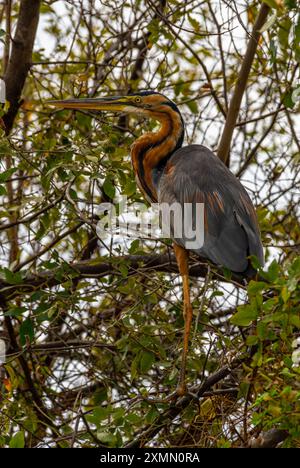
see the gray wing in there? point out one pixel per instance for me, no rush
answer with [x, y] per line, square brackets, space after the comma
[231, 233]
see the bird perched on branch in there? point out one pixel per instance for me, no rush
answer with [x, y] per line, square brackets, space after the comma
[168, 173]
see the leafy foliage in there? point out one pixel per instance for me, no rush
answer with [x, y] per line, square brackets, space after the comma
[93, 326]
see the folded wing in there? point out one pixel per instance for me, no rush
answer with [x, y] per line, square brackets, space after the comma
[195, 175]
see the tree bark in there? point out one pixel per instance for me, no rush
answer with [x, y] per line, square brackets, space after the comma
[135, 263]
[20, 58]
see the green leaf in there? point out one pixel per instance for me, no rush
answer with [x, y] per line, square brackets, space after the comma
[134, 246]
[295, 320]
[283, 32]
[100, 395]
[44, 225]
[17, 441]
[26, 331]
[118, 415]
[123, 269]
[251, 340]
[217, 293]
[194, 23]
[12, 278]
[244, 389]
[227, 273]
[256, 287]
[151, 415]
[109, 188]
[16, 311]
[269, 23]
[92, 158]
[288, 100]
[294, 269]
[107, 438]
[273, 51]
[193, 106]
[153, 28]
[133, 418]
[101, 413]
[130, 187]
[285, 294]
[245, 315]
[4, 176]
[255, 262]
[3, 190]
[272, 273]
[290, 4]
[147, 359]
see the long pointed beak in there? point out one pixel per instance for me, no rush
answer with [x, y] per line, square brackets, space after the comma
[113, 104]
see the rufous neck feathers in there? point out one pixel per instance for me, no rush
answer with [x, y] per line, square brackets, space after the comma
[151, 150]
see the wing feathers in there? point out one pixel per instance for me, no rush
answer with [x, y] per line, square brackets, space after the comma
[231, 230]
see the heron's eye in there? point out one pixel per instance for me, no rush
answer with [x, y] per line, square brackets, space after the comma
[138, 100]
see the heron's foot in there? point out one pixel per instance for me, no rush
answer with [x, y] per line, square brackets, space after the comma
[181, 389]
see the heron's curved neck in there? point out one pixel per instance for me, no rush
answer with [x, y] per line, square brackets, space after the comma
[151, 151]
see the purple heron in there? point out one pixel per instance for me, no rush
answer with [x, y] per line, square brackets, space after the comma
[166, 172]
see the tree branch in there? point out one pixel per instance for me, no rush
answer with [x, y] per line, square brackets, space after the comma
[269, 439]
[171, 413]
[235, 103]
[20, 58]
[38, 406]
[135, 263]
[8, 34]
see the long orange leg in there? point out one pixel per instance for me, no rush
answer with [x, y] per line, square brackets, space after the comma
[182, 258]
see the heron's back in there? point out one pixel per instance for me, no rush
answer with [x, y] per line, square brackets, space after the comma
[194, 175]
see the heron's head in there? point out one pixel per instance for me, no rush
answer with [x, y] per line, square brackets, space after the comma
[148, 103]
